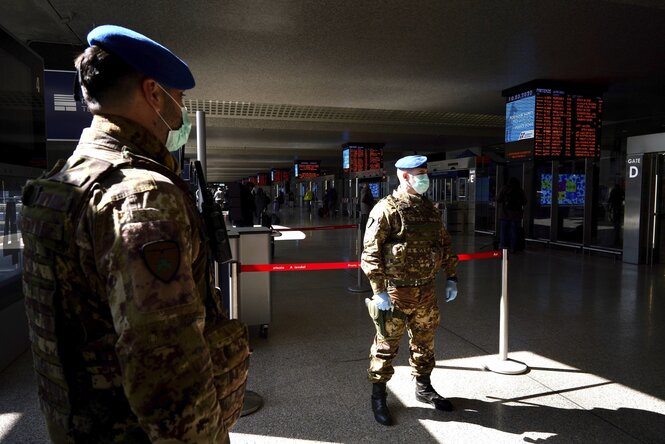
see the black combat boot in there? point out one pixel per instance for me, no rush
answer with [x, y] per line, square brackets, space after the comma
[379, 406]
[426, 393]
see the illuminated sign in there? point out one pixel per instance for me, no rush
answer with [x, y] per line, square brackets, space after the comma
[362, 157]
[557, 122]
[262, 179]
[279, 175]
[307, 169]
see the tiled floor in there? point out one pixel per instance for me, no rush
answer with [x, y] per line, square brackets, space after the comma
[591, 330]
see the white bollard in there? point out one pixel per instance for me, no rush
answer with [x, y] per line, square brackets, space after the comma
[502, 364]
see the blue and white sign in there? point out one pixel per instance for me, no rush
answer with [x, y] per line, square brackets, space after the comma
[65, 117]
[520, 119]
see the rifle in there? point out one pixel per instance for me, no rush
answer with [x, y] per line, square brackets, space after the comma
[218, 239]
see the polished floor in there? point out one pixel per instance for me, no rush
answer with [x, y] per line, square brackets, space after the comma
[590, 329]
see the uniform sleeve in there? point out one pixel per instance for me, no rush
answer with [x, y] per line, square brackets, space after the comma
[158, 314]
[449, 263]
[376, 233]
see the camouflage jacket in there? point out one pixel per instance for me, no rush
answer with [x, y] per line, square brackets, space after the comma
[405, 243]
[129, 327]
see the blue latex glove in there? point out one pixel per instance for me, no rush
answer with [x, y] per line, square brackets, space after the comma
[382, 301]
[451, 290]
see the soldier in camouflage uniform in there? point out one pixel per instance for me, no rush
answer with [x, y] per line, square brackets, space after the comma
[129, 339]
[405, 246]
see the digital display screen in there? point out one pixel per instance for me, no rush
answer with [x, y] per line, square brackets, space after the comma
[553, 123]
[262, 179]
[307, 169]
[520, 119]
[279, 175]
[375, 189]
[362, 157]
[570, 189]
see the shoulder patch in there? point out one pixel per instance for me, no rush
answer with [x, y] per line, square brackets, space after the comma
[162, 259]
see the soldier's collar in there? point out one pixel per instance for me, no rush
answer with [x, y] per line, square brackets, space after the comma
[137, 138]
[402, 194]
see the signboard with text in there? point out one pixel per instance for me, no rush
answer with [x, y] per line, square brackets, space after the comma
[362, 157]
[65, 117]
[307, 169]
[553, 122]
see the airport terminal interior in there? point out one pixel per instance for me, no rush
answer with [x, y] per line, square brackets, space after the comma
[313, 102]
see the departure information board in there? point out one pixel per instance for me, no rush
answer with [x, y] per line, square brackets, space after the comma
[262, 179]
[362, 157]
[307, 169]
[279, 175]
[553, 123]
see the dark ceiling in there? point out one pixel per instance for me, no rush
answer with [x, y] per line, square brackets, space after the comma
[415, 75]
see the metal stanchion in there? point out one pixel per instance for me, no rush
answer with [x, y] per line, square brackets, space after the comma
[502, 364]
[252, 400]
[360, 287]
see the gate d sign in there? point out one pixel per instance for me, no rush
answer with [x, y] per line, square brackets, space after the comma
[633, 167]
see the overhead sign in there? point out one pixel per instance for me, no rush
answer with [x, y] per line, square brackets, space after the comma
[65, 117]
[547, 119]
[307, 169]
[358, 157]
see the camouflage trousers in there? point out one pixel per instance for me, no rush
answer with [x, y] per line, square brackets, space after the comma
[416, 311]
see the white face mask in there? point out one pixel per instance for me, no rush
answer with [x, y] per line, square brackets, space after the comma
[420, 183]
[178, 137]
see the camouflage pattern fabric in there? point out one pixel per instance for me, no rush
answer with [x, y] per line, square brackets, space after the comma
[405, 242]
[416, 311]
[143, 353]
[405, 246]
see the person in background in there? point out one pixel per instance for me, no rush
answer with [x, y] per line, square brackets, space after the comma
[218, 196]
[511, 200]
[405, 246]
[247, 206]
[308, 198]
[331, 199]
[261, 202]
[615, 202]
[366, 204]
[129, 340]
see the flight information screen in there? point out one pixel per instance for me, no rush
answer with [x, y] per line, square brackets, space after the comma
[553, 123]
[307, 169]
[356, 157]
[279, 175]
[262, 179]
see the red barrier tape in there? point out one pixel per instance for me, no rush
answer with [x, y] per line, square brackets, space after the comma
[300, 267]
[488, 255]
[325, 227]
[345, 265]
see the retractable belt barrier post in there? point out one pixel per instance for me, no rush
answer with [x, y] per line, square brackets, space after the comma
[499, 365]
[502, 364]
[359, 288]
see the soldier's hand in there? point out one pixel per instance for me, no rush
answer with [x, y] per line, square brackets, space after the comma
[381, 300]
[451, 290]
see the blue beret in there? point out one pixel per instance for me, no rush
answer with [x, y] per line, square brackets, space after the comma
[143, 54]
[408, 162]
